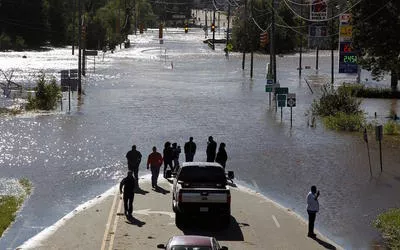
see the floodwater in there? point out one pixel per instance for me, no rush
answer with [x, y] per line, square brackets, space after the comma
[151, 93]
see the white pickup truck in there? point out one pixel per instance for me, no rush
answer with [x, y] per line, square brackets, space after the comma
[200, 188]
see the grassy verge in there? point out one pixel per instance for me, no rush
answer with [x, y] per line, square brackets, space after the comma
[9, 205]
[388, 224]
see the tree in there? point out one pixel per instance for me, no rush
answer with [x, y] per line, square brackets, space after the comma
[375, 36]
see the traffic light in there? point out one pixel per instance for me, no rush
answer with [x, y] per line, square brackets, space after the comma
[212, 27]
[186, 28]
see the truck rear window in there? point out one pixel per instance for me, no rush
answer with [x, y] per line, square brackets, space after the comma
[202, 174]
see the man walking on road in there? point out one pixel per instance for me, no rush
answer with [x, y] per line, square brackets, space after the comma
[312, 209]
[168, 157]
[222, 157]
[154, 161]
[211, 149]
[134, 158]
[190, 150]
[128, 185]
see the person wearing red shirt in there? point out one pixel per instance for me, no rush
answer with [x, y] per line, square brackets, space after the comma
[154, 161]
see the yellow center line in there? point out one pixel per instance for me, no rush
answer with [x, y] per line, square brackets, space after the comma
[115, 225]
[110, 215]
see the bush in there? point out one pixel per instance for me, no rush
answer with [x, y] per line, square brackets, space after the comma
[334, 101]
[388, 224]
[345, 122]
[19, 43]
[47, 95]
[391, 128]
[5, 42]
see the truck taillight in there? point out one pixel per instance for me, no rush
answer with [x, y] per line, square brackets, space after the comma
[229, 198]
[180, 197]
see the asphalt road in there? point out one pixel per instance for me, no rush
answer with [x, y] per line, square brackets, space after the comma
[256, 223]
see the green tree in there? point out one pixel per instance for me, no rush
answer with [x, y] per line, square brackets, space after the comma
[47, 95]
[375, 26]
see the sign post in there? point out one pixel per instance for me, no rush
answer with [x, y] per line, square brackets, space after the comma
[291, 102]
[369, 157]
[379, 135]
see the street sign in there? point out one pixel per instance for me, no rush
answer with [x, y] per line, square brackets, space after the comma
[91, 53]
[271, 87]
[291, 100]
[281, 100]
[282, 91]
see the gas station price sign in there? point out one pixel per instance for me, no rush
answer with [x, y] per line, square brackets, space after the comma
[347, 59]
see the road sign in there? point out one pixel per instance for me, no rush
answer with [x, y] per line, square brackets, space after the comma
[91, 53]
[281, 100]
[291, 100]
[271, 87]
[282, 91]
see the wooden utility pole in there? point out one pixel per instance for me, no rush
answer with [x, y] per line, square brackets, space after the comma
[79, 48]
[244, 40]
[273, 64]
[332, 47]
[227, 32]
[73, 28]
[301, 38]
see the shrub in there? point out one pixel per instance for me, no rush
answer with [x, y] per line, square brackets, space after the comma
[359, 90]
[391, 128]
[345, 122]
[5, 42]
[19, 43]
[334, 101]
[388, 224]
[47, 95]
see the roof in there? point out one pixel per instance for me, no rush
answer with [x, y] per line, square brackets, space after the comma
[191, 240]
[201, 163]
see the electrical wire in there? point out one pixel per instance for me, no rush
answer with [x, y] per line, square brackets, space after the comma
[321, 20]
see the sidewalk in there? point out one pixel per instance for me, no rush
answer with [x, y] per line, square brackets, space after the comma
[256, 223]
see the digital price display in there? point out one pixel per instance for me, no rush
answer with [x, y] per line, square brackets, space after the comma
[347, 59]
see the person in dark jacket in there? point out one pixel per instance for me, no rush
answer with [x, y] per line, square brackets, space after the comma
[222, 157]
[176, 150]
[128, 186]
[189, 150]
[168, 157]
[134, 158]
[211, 149]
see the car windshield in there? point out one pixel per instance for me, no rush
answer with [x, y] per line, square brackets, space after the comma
[190, 248]
[202, 174]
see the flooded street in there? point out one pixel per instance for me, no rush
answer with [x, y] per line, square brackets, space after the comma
[151, 93]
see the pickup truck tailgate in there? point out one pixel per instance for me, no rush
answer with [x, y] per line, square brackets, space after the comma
[204, 196]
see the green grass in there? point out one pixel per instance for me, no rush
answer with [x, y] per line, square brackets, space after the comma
[345, 122]
[388, 224]
[9, 205]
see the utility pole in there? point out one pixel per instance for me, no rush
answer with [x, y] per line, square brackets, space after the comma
[227, 32]
[213, 23]
[252, 47]
[301, 38]
[316, 59]
[245, 36]
[332, 47]
[73, 28]
[273, 64]
[206, 28]
[79, 48]
[135, 15]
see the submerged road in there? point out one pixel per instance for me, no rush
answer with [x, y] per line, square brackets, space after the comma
[151, 93]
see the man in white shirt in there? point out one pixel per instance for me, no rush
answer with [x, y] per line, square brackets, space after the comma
[312, 209]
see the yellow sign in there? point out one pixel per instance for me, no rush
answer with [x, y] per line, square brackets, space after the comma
[346, 30]
[229, 46]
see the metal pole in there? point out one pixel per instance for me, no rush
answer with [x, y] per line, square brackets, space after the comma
[69, 95]
[380, 153]
[316, 59]
[281, 113]
[251, 63]
[219, 27]
[206, 29]
[291, 122]
[79, 48]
